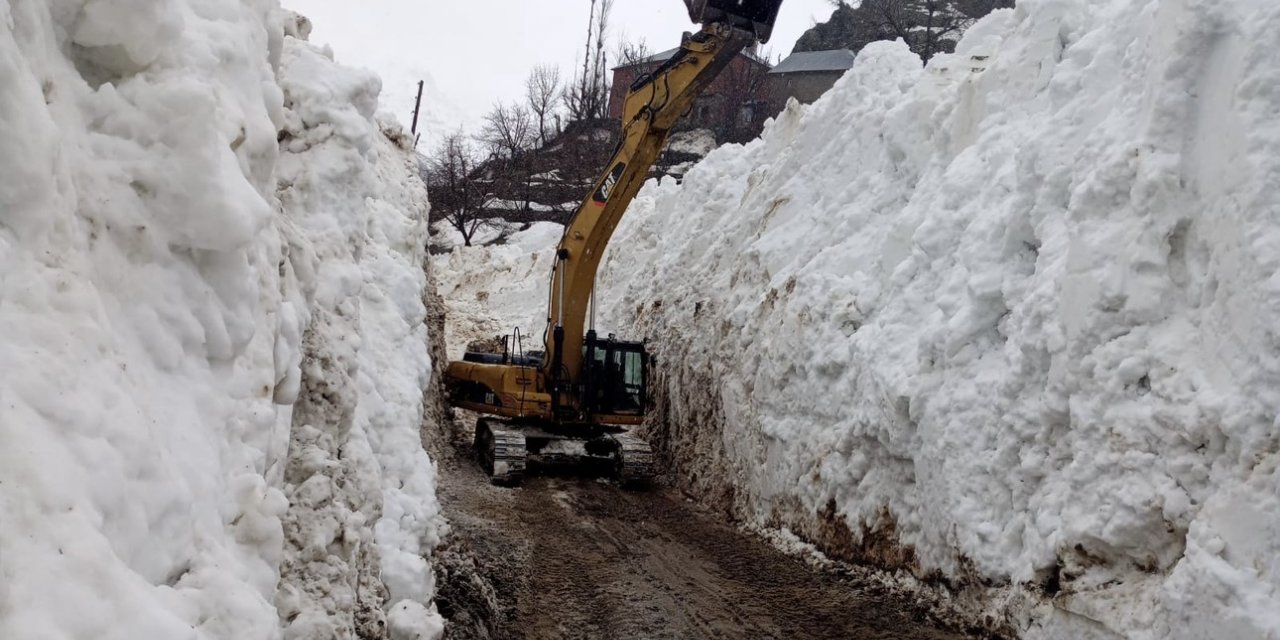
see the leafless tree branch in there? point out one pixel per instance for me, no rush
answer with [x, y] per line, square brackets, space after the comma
[542, 92]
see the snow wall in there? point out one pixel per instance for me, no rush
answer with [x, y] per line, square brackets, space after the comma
[1008, 319]
[212, 339]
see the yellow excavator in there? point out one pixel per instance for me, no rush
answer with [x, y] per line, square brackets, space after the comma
[578, 397]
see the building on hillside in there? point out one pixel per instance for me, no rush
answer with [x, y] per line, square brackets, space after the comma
[735, 106]
[805, 76]
[748, 92]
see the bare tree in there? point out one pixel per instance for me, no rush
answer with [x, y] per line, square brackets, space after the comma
[978, 8]
[457, 193]
[940, 24]
[508, 130]
[584, 102]
[542, 91]
[588, 96]
[634, 53]
[895, 17]
[602, 56]
[586, 56]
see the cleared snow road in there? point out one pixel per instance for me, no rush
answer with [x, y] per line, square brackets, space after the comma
[574, 558]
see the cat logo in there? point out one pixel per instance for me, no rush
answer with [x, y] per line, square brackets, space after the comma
[610, 181]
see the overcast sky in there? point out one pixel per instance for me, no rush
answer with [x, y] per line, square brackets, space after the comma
[473, 52]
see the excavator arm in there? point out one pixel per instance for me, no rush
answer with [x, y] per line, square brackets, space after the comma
[653, 106]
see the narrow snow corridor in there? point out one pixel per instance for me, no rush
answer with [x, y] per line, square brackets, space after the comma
[565, 558]
[1004, 319]
[979, 345]
[579, 557]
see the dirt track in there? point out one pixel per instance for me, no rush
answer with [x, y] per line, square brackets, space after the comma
[576, 558]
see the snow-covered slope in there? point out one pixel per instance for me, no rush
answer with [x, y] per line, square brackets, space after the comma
[1007, 317]
[158, 305]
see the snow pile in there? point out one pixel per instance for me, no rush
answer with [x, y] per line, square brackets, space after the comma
[1007, 317]
[491, 289]
[146, 329]
[363, 511]
[155, 310]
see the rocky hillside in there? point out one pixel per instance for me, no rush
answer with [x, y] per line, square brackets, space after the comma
[928, 26]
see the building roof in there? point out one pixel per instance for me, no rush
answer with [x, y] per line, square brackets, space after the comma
[655, 58]
[816, 61]
[659, 58]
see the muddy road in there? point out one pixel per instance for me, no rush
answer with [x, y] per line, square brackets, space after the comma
[576, 558]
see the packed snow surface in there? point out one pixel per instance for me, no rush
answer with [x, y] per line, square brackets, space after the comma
[1016, 308]
[158, 322]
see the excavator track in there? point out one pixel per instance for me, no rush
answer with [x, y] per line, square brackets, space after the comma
[502, 452]
[635, 461]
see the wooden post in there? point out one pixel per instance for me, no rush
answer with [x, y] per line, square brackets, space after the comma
[417, 107]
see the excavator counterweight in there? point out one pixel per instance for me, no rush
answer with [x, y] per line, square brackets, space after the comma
[578, 397]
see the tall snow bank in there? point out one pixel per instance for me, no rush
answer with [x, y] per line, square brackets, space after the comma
[157, 312]
[1008, 317]
[363, 515]
[145, 323]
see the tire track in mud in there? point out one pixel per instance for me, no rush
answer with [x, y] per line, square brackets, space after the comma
[581, 559]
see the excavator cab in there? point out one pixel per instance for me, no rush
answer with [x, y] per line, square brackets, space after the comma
[756, 16]
[614, 376]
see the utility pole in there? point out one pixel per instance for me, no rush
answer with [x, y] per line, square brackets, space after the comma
[417, 108]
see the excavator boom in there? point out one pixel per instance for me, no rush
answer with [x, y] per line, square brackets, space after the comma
[653, 106]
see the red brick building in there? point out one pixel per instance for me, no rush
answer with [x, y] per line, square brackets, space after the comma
[734, 106]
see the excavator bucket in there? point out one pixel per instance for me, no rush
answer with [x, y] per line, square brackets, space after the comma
[757, 16]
